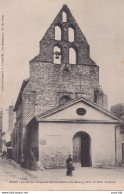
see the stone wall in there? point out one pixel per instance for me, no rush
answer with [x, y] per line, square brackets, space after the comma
[50, 82]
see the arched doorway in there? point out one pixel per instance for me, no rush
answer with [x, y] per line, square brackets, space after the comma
[82, 149]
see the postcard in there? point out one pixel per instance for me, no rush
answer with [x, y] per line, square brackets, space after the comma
[61, 95]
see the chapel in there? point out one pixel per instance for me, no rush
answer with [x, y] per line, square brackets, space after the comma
[61, 108]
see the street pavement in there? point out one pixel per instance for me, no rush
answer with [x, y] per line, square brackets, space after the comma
[11, 172]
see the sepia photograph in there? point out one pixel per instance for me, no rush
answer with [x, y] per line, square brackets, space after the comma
[61, 95]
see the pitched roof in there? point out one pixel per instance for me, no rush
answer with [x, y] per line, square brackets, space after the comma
[19, 98]
[71, 103]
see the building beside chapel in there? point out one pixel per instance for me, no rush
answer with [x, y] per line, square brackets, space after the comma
[118, 110]
[1, 129]
[61, 108]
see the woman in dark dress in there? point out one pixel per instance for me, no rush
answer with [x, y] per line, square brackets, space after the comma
[69, 166]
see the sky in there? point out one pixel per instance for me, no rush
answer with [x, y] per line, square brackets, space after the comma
[25, 23]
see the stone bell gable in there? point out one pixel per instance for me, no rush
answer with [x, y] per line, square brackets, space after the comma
[63, 24]
[63, 69]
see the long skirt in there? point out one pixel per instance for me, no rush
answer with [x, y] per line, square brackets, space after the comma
[69, 172]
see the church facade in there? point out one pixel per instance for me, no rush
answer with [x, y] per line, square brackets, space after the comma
[61, 108]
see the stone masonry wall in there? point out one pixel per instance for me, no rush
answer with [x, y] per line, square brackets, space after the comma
[50, 82]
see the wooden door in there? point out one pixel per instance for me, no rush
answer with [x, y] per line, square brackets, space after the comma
[85, 151]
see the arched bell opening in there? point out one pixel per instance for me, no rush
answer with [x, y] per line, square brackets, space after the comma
[72, 56]
[64, 16]
[58, 33]
[57, 55]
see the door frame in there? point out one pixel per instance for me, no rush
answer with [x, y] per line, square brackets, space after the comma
[81, 133]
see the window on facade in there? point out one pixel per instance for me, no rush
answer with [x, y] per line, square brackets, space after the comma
[72, 56]
[64, 17]
[95, 96]
[81, 111]
[70, 34]
[57, 55]
[64, 99]
[98, 95]
[57, 33]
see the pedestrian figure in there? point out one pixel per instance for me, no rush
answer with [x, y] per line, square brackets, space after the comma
[69, 166]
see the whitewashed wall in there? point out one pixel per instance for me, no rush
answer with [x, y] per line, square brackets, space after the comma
[55, 142]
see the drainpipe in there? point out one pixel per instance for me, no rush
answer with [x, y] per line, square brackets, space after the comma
[116, 143]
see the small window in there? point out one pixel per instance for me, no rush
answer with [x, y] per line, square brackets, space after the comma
[81, 111]
[72, 56]
[97, 96]
[57, 55]
[70, 34]
[57, 33]
[96, 92]
[64, 99]
[64, 17]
